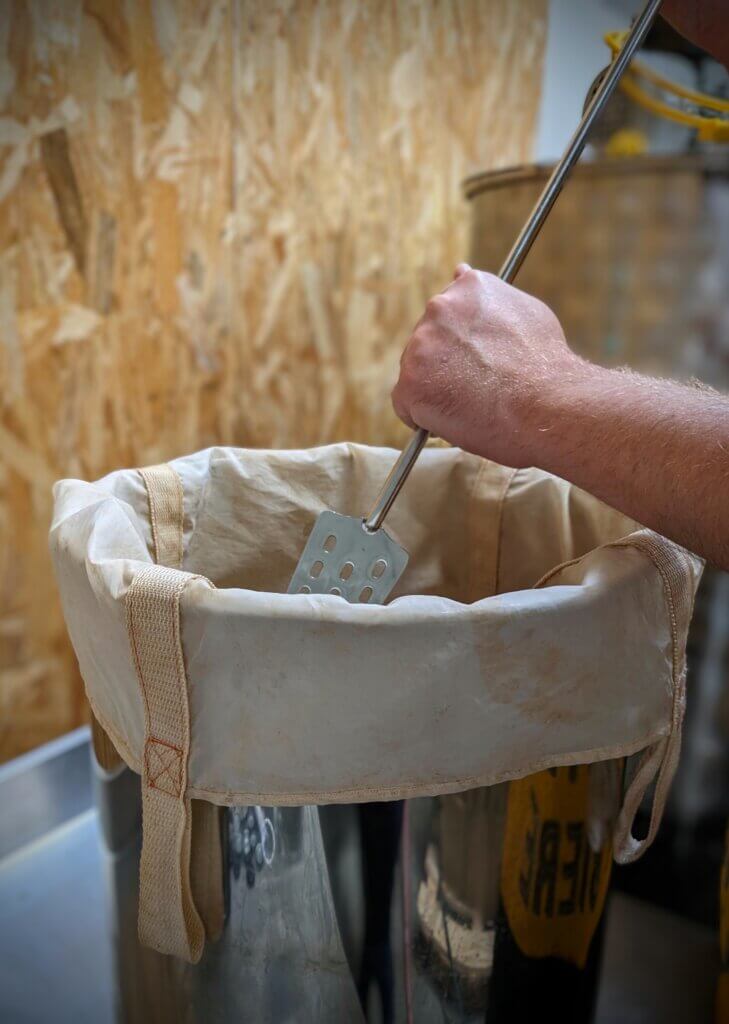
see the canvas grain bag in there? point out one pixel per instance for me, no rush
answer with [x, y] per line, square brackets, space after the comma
[533, 627]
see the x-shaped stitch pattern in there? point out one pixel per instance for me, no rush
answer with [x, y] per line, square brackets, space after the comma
[164, 767]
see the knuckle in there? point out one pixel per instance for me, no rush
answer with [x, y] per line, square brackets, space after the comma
[435, 305]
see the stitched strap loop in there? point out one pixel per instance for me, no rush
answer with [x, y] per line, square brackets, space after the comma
[168, 919]
[179, 901]
[659, 761]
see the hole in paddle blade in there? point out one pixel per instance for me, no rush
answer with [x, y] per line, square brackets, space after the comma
[378, 568]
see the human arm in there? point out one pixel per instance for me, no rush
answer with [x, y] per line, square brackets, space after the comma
[488, 369]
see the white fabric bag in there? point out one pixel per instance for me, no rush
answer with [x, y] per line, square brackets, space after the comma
[533, 627]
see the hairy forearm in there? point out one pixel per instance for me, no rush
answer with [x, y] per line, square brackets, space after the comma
[656, 450]
[488, 368]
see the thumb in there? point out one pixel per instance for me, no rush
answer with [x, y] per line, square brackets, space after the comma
[460, 270]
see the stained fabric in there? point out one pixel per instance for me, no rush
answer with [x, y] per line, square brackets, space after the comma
[533, 627]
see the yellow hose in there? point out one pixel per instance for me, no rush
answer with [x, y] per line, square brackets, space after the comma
[710, 129]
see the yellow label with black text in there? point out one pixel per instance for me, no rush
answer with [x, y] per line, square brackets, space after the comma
[553, 884]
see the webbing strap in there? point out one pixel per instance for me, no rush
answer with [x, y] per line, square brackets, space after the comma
[659, 762]
[174, 894]
[164, 490]
[168, 920]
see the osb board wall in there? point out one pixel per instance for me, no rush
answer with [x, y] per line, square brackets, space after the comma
[218, 221]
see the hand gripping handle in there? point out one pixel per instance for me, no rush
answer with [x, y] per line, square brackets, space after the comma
[409, 455]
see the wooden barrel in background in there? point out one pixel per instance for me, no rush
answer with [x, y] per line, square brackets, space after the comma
[630, 259]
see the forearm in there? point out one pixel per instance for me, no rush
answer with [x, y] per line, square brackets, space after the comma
[488, 368]
[656, 450]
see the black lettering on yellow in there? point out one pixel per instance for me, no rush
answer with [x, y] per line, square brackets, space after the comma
[547, 863]
[584, 875]
[595, 878]
[570, 869]
[526, 878]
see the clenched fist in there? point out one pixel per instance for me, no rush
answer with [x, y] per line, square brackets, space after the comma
[481, 367]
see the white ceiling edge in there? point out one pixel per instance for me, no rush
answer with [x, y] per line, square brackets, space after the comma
[574, 54]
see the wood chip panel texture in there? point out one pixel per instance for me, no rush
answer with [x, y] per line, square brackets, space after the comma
[218, 221]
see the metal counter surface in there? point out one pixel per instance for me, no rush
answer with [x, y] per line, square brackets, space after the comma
[55, 946]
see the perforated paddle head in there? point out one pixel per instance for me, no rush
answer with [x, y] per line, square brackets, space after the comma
[344, 558]
[356, 558]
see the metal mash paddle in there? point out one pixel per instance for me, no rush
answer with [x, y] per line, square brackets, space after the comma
[356, 558]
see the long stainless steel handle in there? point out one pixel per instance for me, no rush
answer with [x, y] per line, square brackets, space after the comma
[408, 457]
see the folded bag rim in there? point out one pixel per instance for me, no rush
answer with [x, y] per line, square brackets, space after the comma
[331, 611]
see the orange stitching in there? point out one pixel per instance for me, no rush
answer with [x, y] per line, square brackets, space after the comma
[226, 797]
[129, 614]
[232, 797]
[153, 782]
[643, 544]
[166, 773]
[639, 542]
